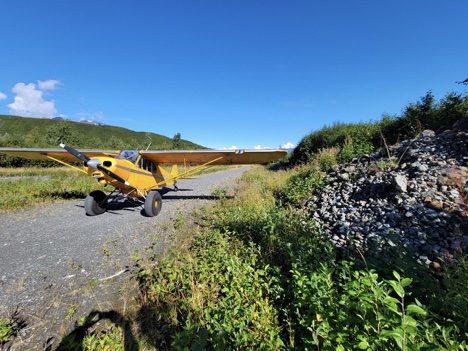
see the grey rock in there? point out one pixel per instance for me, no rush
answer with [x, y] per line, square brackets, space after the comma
[400, 182]
[399, 204]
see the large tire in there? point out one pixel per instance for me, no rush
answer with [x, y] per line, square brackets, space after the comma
[94, 204]
[153, 203]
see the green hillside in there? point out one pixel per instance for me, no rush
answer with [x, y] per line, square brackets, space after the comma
[41, 132]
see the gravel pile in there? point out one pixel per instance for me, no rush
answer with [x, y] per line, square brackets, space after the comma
[415, 193]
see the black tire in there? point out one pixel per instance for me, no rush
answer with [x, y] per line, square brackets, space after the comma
[153, 203]
[94, 204]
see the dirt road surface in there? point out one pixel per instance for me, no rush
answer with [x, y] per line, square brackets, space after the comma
[57, 264]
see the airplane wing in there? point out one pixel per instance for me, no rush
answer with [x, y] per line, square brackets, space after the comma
[213, 157]
[171, 157]
[60, 154]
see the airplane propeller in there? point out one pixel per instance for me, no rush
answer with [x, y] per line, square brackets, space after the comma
[112, 174]
[93, 163]
[75, 153]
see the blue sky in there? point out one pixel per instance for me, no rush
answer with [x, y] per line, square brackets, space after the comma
[228, 73]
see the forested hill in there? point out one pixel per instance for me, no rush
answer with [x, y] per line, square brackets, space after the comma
[42, 132]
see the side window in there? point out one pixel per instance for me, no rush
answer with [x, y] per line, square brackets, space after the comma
[147, 165]
[130, 155]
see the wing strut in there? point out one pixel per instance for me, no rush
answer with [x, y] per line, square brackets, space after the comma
[185, 173]
[195, 169]
[66, 164]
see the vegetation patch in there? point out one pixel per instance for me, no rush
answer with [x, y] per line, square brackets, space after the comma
[264, 276]
[353, 139]
[41, 185]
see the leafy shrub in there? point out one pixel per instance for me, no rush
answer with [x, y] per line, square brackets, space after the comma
[340, 308]
[326, 158]
[301, 185]
[455, 286]
[335, 136]
[216, 294]
[352, 149]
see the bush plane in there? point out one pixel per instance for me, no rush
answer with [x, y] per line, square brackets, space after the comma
[139, 174]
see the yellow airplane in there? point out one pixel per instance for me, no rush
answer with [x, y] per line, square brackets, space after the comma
[138, 174]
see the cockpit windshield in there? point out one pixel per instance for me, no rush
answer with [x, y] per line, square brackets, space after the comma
[130, 155]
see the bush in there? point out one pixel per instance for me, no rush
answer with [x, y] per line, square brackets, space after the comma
[352, 149]
[301, 184]
[362, 138]
[217, 295]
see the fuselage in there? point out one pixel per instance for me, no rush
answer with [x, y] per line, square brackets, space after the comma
[140, 174]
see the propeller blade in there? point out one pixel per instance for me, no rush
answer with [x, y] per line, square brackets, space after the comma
[112, 175]
[75, 153]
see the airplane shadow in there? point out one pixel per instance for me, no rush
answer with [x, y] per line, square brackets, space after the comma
[120, 203]
[177, 195]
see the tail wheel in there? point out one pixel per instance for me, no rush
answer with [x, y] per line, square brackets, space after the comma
[95, 203]
[153, 203]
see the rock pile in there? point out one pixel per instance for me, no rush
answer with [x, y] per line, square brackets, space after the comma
[414, 193]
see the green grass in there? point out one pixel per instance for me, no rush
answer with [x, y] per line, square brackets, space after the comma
[42, 185]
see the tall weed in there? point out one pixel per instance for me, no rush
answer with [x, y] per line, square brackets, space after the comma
[214, 294]
[300, 185]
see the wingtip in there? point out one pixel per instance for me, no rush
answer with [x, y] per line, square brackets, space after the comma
[62, 145]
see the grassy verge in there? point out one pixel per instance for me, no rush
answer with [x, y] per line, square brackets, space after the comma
[261, 275]
[33, 186]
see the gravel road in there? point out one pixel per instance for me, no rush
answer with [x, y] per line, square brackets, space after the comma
[55, 262]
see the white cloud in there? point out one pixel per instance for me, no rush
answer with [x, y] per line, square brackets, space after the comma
[50, 84]
[30, 102]
[288, 145]
[229, 148]
[2, 96]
